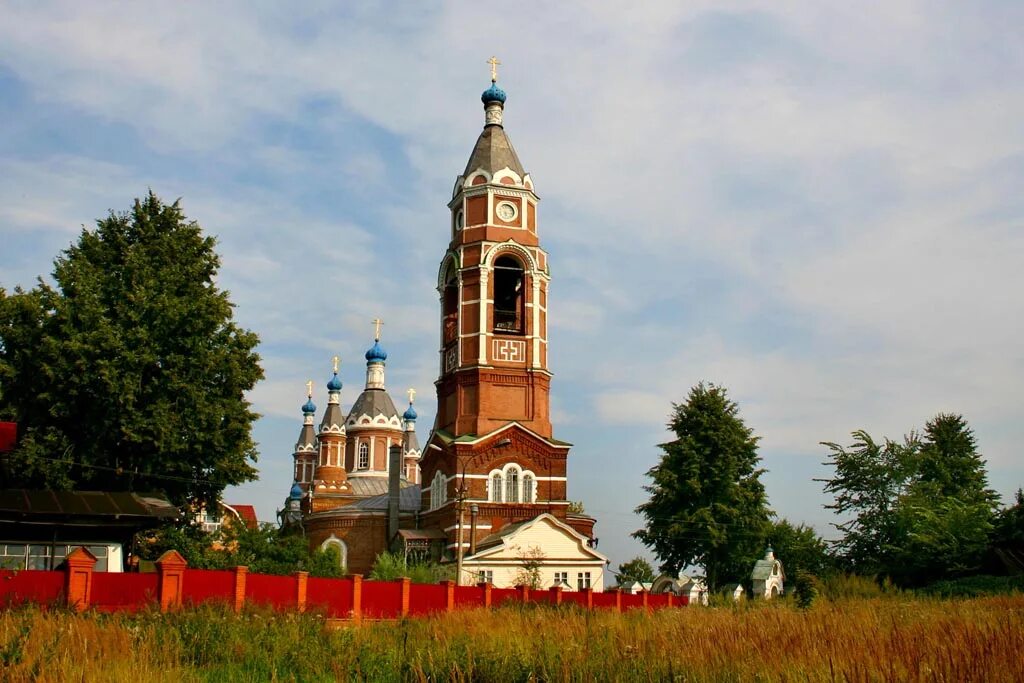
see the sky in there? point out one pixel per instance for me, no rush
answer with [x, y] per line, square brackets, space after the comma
[818, 206]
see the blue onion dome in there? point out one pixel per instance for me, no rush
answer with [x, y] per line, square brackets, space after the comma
[296, 492]
[334, 384]
[493, 94]
[409, 414]
[376, 353]
[309, 407]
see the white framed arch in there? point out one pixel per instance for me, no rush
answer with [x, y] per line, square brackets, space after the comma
[450, 261]
[476, 174]
[506, 173]
[333, 541]
[512, 484]
[510, 247]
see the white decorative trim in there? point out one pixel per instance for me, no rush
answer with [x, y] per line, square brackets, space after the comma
[506, 172]
[510, 246]
[508, 350]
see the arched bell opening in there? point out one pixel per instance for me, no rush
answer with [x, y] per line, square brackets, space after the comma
[509, 289]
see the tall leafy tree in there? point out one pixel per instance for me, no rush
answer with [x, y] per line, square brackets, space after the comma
[707, 504]
[129, 372]
[800, 548]
[921, 509]
[637, 569]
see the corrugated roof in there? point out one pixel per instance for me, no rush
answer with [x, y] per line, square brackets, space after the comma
[24, 502]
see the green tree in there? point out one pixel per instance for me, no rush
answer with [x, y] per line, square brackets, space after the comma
[707, 504]
[921, 509]
[128, 373]
[1007, 540]
[800, 549]
[637, 569]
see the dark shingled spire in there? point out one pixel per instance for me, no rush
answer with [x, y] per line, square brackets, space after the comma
[493, 152]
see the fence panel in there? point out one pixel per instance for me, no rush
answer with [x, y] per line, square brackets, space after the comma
[631, 601]
[574, 598]
[333, 596]
[426, 598]
[382, 599]
[206, 585]
[279, 592]
[123, 592]
[30, 585]
[469, 596]
[604, 600]
[657, 601]
[500, 596]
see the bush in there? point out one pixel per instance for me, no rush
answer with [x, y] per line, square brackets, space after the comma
[841, 586]
[806, 588]
[975, 586]
[391, 566]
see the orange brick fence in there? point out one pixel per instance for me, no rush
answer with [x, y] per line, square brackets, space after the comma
[174, 586]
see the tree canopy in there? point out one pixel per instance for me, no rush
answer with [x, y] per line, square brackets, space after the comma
[638, 569]
[707, 504]
[921, 508]
[129, 373]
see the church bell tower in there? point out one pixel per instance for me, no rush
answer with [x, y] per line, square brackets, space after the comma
[493, 284]
[491, 452]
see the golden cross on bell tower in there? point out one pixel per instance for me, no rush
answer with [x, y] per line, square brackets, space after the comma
[336, 360]
[493, 61]
[309, 389]
[412, 394]
[377, 322]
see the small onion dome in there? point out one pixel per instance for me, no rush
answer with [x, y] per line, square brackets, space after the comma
[376, 353]
[334, 384]
[296, 492]
[493, 94]
[410, 414]
[309, 407]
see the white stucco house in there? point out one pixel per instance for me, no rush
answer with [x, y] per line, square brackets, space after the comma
[768, 576]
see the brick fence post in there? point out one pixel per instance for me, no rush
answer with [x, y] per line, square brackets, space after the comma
[449, 594]
[170, 569]
[671, 599]
[406, 583]
[588, 597]
[486, 587]
[301, 582]
[643, 599]
[618, 598]
[524, 593]
[556, 595]
[241, 578]
[78, 578]
[357, 597]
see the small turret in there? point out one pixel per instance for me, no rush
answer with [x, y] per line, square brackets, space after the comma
[410, 444]
[330, 474]
[305, 448]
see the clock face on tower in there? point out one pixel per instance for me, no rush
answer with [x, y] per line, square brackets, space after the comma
[459, 220]
[506, 211]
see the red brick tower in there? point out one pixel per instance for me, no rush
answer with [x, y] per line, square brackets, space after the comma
[492, 446]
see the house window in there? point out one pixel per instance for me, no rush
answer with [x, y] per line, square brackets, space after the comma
[485, 576]
[508, 295]
[496, 484]
[364, 457]
[527, 488]
[582, 580]
[562, 579]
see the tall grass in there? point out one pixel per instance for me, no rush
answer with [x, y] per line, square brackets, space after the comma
[893, 639]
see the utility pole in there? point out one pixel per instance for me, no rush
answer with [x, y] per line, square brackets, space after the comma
[460, 502]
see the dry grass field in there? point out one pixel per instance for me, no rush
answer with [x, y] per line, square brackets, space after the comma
[879, 639]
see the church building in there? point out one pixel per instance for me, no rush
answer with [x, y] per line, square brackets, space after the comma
[488, 492]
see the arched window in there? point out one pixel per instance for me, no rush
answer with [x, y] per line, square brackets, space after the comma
[508, 295]
[512, 485]
[450, 307]
[438, 494]
[496, 484]
[527, 488]
[339, 545]
[364, 457]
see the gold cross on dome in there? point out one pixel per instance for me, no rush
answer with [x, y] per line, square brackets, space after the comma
[493, 61]
[336, 360]
[309, 389]
[377, 322]
[412, 394]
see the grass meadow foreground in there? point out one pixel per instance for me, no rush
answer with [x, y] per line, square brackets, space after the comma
[879, 639]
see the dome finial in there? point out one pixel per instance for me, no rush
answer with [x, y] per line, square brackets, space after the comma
[376, 353]
[410, 412]
[309, 407]
[334, 385]
[493, 61]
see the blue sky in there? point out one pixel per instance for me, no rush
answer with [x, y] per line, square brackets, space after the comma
[818, 206]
